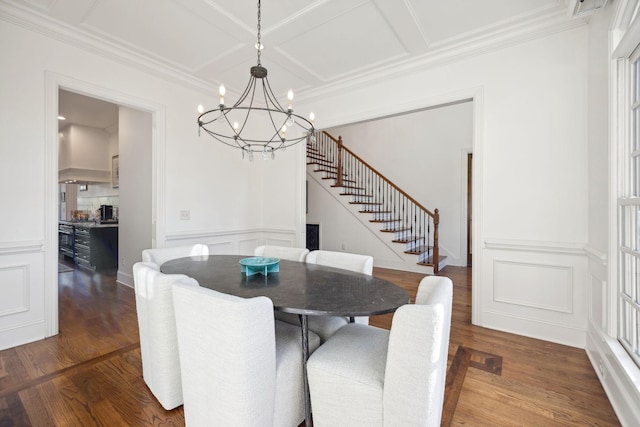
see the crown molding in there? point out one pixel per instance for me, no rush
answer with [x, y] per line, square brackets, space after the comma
[34, 21]
[512, 33]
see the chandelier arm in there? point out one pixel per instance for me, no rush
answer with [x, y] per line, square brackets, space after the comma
[269, 94]
[250, 108]
[246, 92]
[272, 110]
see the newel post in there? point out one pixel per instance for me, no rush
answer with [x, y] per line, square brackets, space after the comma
[339, 179]
[436, 251]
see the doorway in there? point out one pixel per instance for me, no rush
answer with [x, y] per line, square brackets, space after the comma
[139, 171]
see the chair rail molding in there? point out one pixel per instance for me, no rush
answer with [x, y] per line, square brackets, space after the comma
[596, 255]
[10, 248]
[565, 248]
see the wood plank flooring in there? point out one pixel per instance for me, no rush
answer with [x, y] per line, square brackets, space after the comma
[90, 374]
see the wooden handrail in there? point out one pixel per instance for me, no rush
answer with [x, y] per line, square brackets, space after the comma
[355, 175]
[338, 141]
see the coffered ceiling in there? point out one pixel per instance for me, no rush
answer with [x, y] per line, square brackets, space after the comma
[308, 43]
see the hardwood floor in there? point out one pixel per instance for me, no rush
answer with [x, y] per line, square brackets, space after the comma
[90, 374]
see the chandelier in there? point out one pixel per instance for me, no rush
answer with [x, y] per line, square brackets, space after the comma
[261, 128]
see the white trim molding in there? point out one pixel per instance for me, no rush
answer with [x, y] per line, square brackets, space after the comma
[565, 248]
[10, 248]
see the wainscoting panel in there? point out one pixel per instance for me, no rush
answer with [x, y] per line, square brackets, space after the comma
[536, 289]
[280, 242]
[218, 248]
[14, 281]
[235, 242]
[247, 246]
[547, 287]
[22, 289]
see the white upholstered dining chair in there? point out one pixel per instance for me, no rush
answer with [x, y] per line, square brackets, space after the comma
[282, 252]
[325, 326]
[159, 256]
[367, 376]
[157, 327]
[239, 366]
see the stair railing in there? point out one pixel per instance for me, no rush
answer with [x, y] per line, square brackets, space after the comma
[414, 224]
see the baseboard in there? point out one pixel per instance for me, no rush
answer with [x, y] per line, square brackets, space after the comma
[618, 374]
[535, 328]
[124, 279]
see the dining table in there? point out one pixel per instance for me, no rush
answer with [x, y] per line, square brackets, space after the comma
[301, 288]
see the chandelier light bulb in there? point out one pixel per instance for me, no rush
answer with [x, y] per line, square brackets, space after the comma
[222, 91]
[236, 126]
[200, 109]
[312, 117]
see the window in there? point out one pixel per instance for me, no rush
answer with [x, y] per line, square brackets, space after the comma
[629, 223]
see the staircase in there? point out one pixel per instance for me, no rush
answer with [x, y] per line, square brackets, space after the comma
[405, 220]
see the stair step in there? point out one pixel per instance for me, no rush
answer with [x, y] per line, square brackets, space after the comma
[366, 203]
[408, 239]
[321, 162]
[419, 250]
[368, 211]
[429, 261]
[329, 168]
[384, 220]
[333, 177]
[349, 187]
[312, 158]
[332, 174]
[395, 230]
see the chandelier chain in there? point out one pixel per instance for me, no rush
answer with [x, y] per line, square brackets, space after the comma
[259, 46]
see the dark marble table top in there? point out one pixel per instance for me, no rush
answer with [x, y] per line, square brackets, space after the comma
[298, 287]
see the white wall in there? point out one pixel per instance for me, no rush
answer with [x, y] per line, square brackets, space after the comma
[530, 178]
[190, 173]
[135, 185]
[422, 152]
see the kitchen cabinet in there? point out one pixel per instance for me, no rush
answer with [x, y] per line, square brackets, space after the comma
[93, 246]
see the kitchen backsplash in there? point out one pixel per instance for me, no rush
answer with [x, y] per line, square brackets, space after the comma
[91, 204]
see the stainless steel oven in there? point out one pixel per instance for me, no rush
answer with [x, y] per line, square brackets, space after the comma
[66, 240]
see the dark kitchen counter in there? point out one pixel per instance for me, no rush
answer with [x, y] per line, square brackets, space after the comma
[89, 224]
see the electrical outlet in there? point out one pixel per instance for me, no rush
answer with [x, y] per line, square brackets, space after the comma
[344, 246]
[185, 215]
